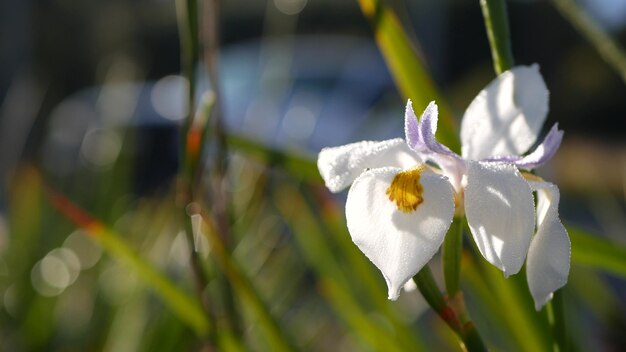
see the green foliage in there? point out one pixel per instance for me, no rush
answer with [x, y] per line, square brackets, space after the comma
[275, 271]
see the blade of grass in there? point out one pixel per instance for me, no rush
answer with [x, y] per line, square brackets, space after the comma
[327, 215]
[596, 252]
[360, 323]
[336, 284]
[186, 308]
[297, 165]
[484, 297]
[606, 46]
[243, 287]
[407, 68]
[530, 327]
[497, 26]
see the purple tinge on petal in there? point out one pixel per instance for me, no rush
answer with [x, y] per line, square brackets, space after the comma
[420, 136]
[541, 155]
[428, 128]
[544, 152]
[412, 129]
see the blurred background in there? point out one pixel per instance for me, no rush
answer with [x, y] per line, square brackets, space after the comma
[92, 102]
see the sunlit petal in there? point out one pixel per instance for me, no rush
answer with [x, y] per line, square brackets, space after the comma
[506, 117]
[420, 136]
[547, 266]
[500, 213]
[412, 128]
[428, 128]
[340, 166]
[399, 243]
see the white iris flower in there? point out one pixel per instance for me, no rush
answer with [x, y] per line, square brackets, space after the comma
[404, 194]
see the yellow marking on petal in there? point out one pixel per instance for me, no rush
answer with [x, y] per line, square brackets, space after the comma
[406, 190]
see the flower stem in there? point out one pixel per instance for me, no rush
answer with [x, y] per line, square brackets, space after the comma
[497, 26]
[458, 321]
[557, 322]
[451, 257]
[428, 288]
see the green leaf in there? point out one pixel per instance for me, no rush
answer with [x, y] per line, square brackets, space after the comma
[597, 252]
[186, 308]
[245, 290]
[300, 166]
[338, 286]
[609, 49]
[407, 68]
[510, 302]
[497, 26]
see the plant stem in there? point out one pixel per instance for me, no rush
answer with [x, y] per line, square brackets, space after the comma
[187, 14]
[557, 322]
[451, 257]
[497, 26]
[470, 338]
[428, 288]
[608, 48]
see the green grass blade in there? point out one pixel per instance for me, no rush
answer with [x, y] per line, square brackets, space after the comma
[186, 308]
[497, 26]
[337, 286]
[610, 49]
[515, 306]
[597, 252]
[407, 69]
[242, 286]
[300, 166]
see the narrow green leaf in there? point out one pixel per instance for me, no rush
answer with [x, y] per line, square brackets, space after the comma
[356, 267]
[497, 26]
[610, 49]
[361, 323]
[318, 250]
[516, 308]
[182, 305]
[243, 287]
[597, 252]
[407, 68]
[300, 166]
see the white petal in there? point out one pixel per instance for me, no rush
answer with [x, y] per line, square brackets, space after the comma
[340, 166]
[500, 213]
[547, 266]
[398, 243]
[412, 128]
[506, 117]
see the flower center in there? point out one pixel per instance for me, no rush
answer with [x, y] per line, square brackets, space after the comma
[406, 190]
